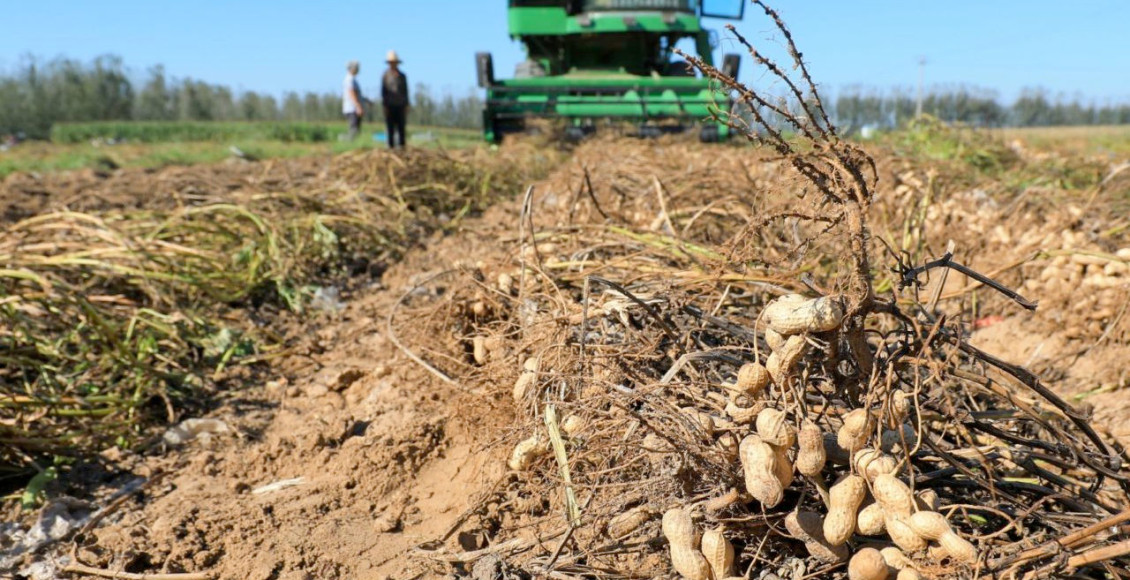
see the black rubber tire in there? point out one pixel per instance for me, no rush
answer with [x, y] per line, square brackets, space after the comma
[709, 134]
[575, 134]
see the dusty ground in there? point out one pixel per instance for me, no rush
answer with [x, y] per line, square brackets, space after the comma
[386, 461]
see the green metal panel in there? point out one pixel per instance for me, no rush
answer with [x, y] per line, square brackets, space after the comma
[640, 102]
[602, 64]
[552, 21]
[619, 22]
[535, 21]
[600, 79]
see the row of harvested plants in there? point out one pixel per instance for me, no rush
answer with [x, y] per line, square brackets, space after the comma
[125, 306]
[708, 409]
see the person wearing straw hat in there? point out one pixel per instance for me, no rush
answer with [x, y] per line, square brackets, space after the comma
[352, 103]
[394, 97]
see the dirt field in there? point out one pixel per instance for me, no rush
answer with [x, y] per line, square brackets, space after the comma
[346, 458]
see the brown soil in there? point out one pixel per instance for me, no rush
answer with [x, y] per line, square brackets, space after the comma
[390, 458]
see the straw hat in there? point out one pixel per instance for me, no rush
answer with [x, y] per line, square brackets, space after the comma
[392, 57]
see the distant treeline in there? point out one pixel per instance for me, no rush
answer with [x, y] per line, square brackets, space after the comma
[858, 107]
[38, 94]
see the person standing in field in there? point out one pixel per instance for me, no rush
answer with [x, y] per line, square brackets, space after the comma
[352, 105]
[394, 97]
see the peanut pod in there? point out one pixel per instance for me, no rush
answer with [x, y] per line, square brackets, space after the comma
[719, 553]
[795, 314]
[781, 362]
[845, 496]
[871, 463]
[624, 524]
[897, 503]
[683, 541]
[867, 564]
[752, 379]
[933, 526]
[526, 379]
[808, 527]
[812, 456]
[773, 427]
[853, 434]
[759, 466]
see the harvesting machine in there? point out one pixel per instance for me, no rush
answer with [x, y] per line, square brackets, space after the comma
[590, 61]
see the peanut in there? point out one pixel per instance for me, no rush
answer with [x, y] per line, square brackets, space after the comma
[784, 467]
[781, 362]
[901, 403]
[752, 379]
[933, 526]
[624, 524]
[526, 379]
[928, 500]
[811, 457]
[896, 559]
[869, 522]
[773, 427]
[897, 504]
[479, 349]
[685, 557]
[908, 574]
[505, 283]
[936, 553]
[867, 564]
[759, 465]
[795, 314]
[719, 553]
[774, 339]
[808, 527]
[721, 502]
[526, 452]
[871, 462]
[902, 534]
[744, 415]
[845, 497]
[856, 429]
[572, 425]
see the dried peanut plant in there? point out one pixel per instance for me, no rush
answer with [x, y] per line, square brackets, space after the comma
[695, 406]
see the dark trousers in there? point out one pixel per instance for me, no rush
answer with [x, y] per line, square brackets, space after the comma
[395, 120]
[354, 124]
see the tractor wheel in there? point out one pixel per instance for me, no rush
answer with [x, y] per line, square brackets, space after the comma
[575, 134]
[709, 134]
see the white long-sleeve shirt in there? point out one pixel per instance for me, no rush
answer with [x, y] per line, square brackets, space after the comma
[347, 104]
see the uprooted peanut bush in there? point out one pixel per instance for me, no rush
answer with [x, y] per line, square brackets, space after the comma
[714, 404]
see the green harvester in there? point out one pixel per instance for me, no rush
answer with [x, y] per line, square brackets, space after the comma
[612, 61]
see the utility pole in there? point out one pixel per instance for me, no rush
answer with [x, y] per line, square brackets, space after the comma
[921, 77]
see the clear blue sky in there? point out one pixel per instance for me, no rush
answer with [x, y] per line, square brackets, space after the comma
[1080, 47]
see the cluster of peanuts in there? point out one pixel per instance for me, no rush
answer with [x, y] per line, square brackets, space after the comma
[870, 499]
[1092, 284]
[1078, 263]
